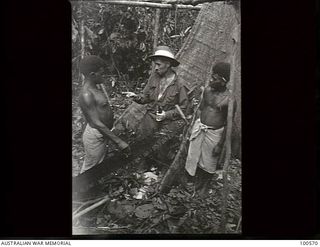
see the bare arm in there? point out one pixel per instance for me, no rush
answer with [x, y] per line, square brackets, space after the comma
[201, 103]
[89, 109]
[204, 97]
[218, 148]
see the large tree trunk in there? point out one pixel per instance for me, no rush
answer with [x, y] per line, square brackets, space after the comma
[208, 43]
[225, 190]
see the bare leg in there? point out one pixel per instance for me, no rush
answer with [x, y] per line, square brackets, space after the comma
[203, 181]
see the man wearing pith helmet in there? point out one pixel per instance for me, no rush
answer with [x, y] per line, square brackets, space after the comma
[163, 91]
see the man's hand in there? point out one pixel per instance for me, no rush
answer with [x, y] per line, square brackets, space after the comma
[160, 116]
[195, 102]
[130, 94]
[216, 151]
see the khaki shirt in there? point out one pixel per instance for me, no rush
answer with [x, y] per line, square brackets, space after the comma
[174, 94]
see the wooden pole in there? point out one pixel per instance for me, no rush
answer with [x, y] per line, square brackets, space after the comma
[105, 93]
[191, 2]
[88, 209]
[239, 223]
[156, 29]
[149, 4]
[83, 204]
[225, 190]
[180, 2]
[82, 41]
[156, 32]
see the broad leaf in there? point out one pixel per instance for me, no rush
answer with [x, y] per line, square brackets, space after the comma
[144, 211]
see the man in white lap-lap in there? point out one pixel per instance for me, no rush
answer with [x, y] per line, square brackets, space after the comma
[208, 132]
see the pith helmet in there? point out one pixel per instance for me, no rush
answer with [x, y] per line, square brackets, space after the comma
[164, 51]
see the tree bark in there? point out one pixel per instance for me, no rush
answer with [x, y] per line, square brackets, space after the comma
[225, 190]
[208, 43]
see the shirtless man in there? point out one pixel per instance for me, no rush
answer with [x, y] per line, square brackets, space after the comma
[97, 112]
[208, 132]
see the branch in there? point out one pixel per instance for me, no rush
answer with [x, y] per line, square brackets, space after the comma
[83, 204]
[191, 2]
[88, 209]
[238, 225]
[98, 230]
[148, 4]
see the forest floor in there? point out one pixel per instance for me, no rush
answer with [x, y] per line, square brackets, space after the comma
[134, 205]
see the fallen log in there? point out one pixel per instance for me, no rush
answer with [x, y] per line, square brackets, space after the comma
[130, 118]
